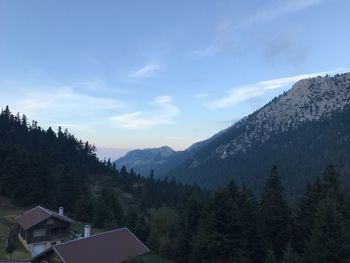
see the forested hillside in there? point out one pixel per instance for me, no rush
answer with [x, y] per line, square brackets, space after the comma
[301, 131]
[182, 223]
[55, 169]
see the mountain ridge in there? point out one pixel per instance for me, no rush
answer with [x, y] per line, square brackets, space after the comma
[236, 154]
[310, 103]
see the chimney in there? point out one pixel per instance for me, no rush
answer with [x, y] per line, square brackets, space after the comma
[87, 231]
[60, 211]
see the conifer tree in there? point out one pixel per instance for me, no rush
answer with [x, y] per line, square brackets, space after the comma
[251, 234]
[275, 215]
[271, 257]
[141, 229]
[329, 241]
[220, 233]
[11, 245]
[306, 206]
[188, 225]
[290, 256]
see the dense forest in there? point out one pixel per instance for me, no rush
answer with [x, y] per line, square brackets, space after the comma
[179, 222]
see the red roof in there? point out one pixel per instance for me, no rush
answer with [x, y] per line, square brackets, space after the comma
[36, 215]
[109, 247]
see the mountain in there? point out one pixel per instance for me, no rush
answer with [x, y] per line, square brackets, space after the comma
[300, 131]
[161, 160]
[145, 160]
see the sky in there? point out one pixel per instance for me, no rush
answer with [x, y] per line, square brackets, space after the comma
[127, 74]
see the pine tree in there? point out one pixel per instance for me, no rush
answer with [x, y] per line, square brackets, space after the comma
[141, 229]
[11, 245]
[271, 257]
[290, 256]
[84, 208]
[188, 225]
[275, 215]
[251, 234]
[220, 233]
[9, 173]
[329, 241]
[101, 213]
[306, 206]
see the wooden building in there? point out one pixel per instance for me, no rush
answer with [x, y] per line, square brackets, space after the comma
[119, 245]
[40, 228]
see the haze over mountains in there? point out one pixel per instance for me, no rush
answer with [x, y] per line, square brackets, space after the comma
[299, 131]
[143, 161]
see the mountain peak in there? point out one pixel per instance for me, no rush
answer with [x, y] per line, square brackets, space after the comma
[308, 100]
[299, 131]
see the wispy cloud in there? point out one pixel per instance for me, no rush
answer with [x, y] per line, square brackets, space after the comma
[60, 104]
[201, 95]
[287, 7]
[246, 92]
[65, 98]
[146, 71]
[75, 127]
[225, 30]
[207, 51]
[165, 114]
[220, 44]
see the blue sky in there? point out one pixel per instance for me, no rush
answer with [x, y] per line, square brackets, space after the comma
[136, 74]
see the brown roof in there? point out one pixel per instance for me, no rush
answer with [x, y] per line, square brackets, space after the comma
[36, 215]
[109, 247]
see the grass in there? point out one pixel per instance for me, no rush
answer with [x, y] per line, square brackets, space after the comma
[7, 221]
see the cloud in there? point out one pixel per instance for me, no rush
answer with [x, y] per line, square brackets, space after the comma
[222, 42]
[201, 95]
[246, 92]
[56, 104]
[165, 114]
[288, 6]
[207, 51]
[65, 98]
[146, 71]
[286, 47]
[75, 127]
[225, 39]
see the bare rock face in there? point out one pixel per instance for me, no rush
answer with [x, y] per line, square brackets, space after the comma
[308, 100]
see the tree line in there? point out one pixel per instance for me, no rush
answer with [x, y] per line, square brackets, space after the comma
[232, 225]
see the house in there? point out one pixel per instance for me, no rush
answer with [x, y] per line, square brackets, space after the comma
[114, 246]
[40, 228]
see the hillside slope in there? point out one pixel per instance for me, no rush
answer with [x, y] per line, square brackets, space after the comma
[299, 131]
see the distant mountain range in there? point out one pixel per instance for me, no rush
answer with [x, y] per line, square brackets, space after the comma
[301, 131]
[143, 161]
[161, 160]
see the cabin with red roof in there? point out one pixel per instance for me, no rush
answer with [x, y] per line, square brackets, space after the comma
[119, 245]
[40, 228]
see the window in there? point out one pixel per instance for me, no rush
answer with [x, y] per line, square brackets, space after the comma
[39, 233]
[50, 222]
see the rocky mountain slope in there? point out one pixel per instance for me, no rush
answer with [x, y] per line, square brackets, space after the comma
[301, 131]
[297, 131]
